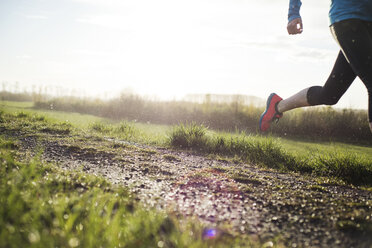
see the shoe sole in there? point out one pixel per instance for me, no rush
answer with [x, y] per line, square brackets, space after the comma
[267, 108]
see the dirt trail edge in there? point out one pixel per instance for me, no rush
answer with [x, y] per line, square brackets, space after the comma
[263, 203]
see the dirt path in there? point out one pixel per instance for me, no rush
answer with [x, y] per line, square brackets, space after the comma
[303, 211]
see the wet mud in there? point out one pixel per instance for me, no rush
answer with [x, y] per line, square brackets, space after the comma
[238, 198]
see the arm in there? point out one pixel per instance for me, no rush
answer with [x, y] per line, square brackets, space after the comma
[294, 10]
[294, 19]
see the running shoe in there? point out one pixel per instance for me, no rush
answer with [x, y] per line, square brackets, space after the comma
[271, 113]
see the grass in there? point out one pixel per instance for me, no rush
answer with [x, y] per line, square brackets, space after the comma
[315, 147]
[351, 163]
[131, 131]
[82, 121]
[44, 206]
[145, 133]
[124, 130]
[350, 167]
[189, 136]
[324, 122]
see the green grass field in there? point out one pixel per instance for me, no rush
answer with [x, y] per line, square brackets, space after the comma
[76, 119]
[146, 133]
[157, 134]
[348, 162]
[311, 147]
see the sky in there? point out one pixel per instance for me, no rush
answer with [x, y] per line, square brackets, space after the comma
[168, 48]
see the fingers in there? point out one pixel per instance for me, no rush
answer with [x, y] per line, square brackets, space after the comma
[300, 25]
[295, 26]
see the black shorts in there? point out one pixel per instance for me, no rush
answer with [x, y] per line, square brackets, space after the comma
[355, 59]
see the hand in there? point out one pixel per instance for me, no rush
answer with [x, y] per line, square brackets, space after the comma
[295, 26]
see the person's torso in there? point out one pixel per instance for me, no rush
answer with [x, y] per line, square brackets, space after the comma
[350, 9]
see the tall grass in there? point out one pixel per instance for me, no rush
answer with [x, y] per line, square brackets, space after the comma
[268, 152]
[20, 97]
[325, 122]
[321, 123]
[189, 136]
[316, 123]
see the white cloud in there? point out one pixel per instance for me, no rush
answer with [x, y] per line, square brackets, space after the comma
[107, 21]
[313, 54]
[292, 50]
[23, 57]
[101, 2]
[36, 17]
[89, 52]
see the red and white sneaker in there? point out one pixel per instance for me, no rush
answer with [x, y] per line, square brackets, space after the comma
[271, 113]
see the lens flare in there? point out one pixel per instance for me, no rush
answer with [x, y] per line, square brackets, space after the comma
[210, 233]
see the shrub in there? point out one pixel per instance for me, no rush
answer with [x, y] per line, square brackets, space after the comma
[189, 136]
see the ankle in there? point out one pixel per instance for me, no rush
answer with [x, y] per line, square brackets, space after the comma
[277, 107]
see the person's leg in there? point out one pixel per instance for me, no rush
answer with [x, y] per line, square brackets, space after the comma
[338, 82]
[297, 100]
[336, 85]
[355, 39]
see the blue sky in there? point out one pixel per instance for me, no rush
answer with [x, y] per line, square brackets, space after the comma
[168, 48]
